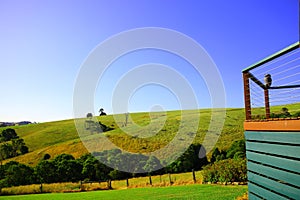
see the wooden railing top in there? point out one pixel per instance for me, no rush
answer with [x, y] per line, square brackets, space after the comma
[286, 125]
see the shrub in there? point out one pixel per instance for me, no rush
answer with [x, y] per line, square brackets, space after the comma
[229, 170]
[237, 149]
[218, 155]
[46, 156]
[297, 114]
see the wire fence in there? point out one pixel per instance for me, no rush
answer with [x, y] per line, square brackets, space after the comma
[272, 86]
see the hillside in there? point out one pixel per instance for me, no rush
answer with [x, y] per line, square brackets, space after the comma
[60, 137]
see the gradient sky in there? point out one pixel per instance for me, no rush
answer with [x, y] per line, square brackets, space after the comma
[44, 43]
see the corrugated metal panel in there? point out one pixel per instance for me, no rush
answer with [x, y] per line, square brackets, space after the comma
[278, 137]
[263, 193]
[288, 164]
[274, 186]
[279, 149]
[273, 164]
[276, 174]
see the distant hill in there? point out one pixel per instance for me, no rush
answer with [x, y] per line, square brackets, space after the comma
[5, 124]
[59, 137]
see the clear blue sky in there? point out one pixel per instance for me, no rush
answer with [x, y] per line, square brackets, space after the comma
[44, 43]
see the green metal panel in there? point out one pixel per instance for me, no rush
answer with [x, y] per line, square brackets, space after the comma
[292, 165]
[286, 190]
[253, 197]
[266, 194]
[273, 164]
[283, 137]
[280, 175]
[286, 150]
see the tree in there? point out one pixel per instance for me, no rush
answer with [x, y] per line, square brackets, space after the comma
[6, 150]
[102, 171]
[297, 114]
[101, 111]
[68, 169]
[18, 174]
[89, 168]
[188, 160]
[152, 165]
[47, 171]
[8, 134]
[89, 115]
[285, 112]
[63, 157]
[15, 148]
[118, 175]
[46, 156]
[24, 149]
[19, 147]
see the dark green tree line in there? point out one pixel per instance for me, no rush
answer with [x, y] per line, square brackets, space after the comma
[65, 168]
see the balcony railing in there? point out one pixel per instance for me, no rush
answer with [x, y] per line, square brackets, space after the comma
[274, 83]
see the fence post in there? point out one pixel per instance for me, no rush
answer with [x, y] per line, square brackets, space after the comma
[80, 185]
[160, 178]
[109, 184]
[267, 103]
[150, 180]
[126, 118]
[247, 95]
[170, 179]
[127, 182]
[194, 176]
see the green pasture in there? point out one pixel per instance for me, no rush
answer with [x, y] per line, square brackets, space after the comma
[59, 137]
[190, 192]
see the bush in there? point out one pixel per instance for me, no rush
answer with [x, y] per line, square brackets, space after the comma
[229, 170]
[297, 114]
[218, 155]
[237, 149]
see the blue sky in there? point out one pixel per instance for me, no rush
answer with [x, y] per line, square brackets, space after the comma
[44, 43]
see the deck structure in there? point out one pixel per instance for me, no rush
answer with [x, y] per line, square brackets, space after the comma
[273, 143]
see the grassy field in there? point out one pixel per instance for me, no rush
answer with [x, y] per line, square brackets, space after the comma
[174, 192]
[138, 182]
[60, 137]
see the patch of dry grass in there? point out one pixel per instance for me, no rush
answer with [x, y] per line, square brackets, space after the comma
[139, 182]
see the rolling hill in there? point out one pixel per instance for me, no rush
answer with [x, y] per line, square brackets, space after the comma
[59, 137]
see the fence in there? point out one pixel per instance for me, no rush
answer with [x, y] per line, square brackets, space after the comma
[193, 177]
[274, 81]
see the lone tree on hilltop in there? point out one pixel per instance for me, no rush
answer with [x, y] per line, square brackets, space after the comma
[101, 111]
[89, 115]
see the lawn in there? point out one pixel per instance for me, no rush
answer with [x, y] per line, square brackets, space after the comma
[174, 192]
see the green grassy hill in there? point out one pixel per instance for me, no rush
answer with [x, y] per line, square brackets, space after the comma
[60, 137]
